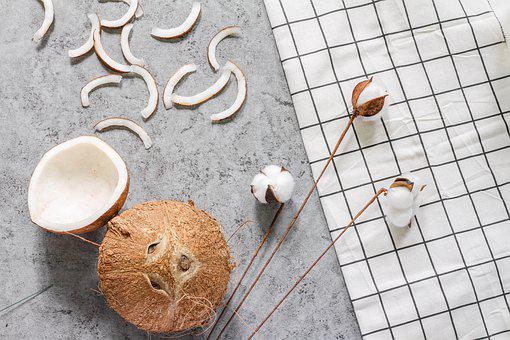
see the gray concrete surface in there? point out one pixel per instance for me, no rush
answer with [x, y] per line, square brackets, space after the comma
[213, 165]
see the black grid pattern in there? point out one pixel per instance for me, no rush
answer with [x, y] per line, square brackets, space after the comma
[448, 124]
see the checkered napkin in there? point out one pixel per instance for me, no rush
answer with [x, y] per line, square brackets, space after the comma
[446, 66]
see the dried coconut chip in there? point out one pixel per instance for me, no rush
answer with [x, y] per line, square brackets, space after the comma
[174, 80]
[89, 44]
[152, 104]
[139, 9]
[105, 57]
[126, 50]
[182, 29]
[211, 50]
[95, 83]
[242, 90]
[133, 6]
[117, 122]
[205, 95]
[48, 20]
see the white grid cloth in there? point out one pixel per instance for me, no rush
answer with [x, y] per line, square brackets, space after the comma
[446, 66]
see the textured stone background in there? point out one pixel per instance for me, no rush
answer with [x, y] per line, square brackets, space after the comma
[212, 165]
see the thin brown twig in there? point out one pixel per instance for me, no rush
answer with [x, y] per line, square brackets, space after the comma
[372, 200]
[83, 239]
[292, 222]
[238, 228]
[266, 235]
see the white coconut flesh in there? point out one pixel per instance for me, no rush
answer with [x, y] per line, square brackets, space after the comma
[105, 57]
[174, 80]
[182, 29]
[207, 94]
[126, 49]
[213, 44]
[75, 184]
[139, 9]
[130, 13]
[242, 89]
[117, 122]
[152, 104]
[95, 83]
[89, 44]
[48, 20]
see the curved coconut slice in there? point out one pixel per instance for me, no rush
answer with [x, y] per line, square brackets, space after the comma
[105, 57]
[164, 266]
[182, 29]
[126, 50]
[48, 20]
[242, 90]
[89, 44]
[95, 83]
[205, 95]
[133, 6]
[139, 9]
[174, 80]
[78, 186]
[117, 122]
[152, 104]
[211, 50]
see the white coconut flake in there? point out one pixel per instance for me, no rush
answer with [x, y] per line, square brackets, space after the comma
[89, 44]
[126, 50]
[139, 9]
[207, 94]
[174, 80]
[118, 122]
[274, 183]
[152, 104]
[211, 50]
[95, 83]
[48, 20]
[105, 57]
[133, 6]
[242, 90]
[182, 29]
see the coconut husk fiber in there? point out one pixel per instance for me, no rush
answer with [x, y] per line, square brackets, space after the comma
[164, 266]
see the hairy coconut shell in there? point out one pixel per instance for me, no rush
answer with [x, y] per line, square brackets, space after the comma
[164, 266]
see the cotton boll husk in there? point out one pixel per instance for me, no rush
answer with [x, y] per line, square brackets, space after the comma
[372, 91]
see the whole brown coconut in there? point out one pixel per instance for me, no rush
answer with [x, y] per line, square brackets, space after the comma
[164, 266]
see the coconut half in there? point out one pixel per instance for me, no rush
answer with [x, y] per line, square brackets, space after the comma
[48, 20]
[211, 50]
[242, 90]
[78, 186]
[174, 80]
[126, 49]
[95, 83]
[207, 94]
[164, 266]
[130, 13]
[89, 44]
[182, 29]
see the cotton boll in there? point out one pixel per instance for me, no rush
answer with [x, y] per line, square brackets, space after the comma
[273, 184]
[399, 198]
[399, 218]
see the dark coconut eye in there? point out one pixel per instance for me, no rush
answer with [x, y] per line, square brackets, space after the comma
[152, 248]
